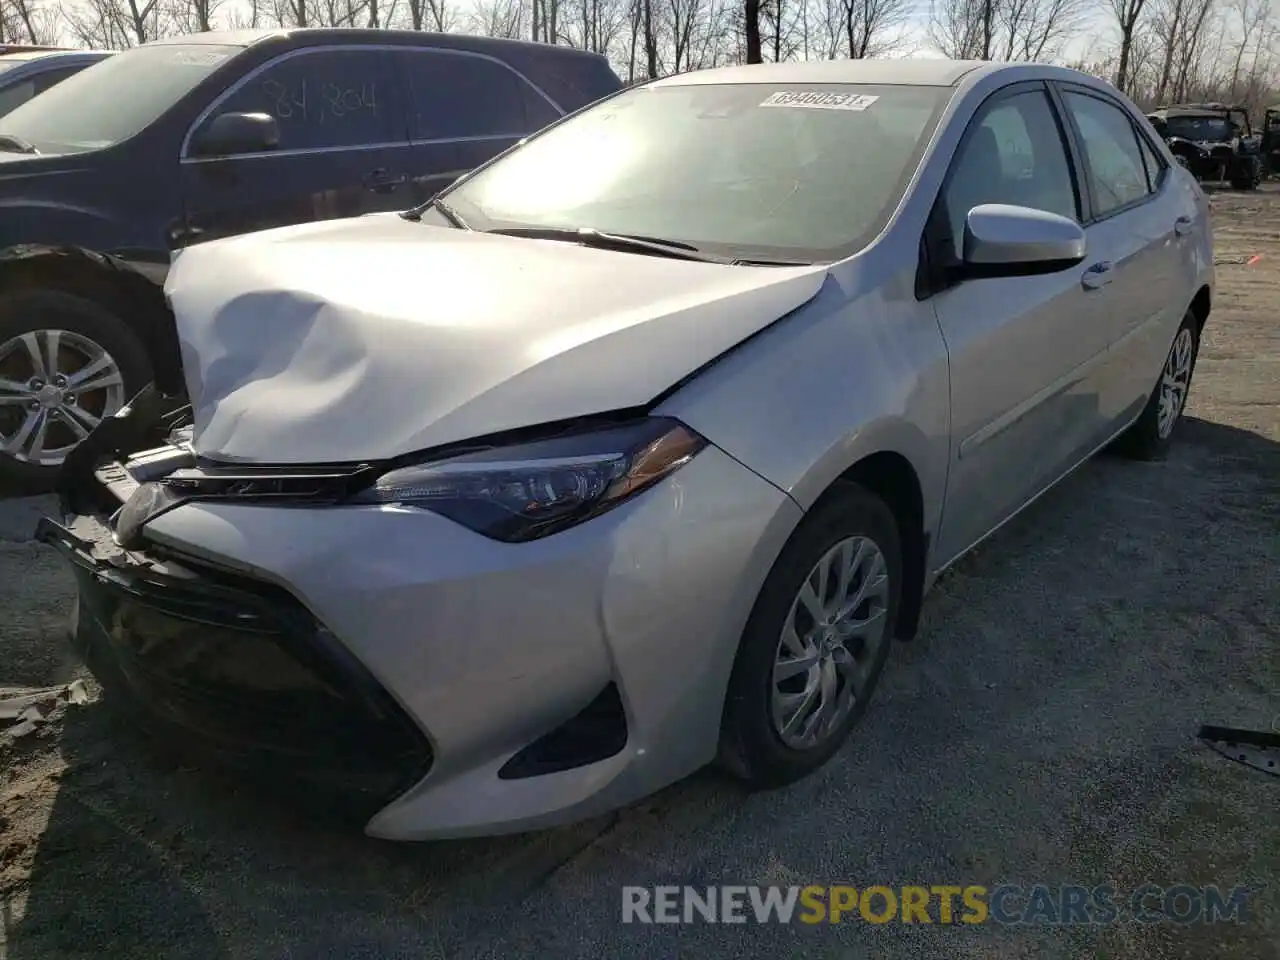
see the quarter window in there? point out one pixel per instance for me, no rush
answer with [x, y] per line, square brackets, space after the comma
[1117, 174]
[460, 95]
[1155, 165]
[332, 98]
[1013, 154]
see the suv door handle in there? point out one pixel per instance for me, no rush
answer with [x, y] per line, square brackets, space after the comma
[1098, 275]
[1182, 226]
[381, 181]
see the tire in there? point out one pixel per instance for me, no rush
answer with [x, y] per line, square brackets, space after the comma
[86, 334]
[753, 747]
[1150, 438]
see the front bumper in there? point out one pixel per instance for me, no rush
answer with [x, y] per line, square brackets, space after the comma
[242, 670]
[458, 662]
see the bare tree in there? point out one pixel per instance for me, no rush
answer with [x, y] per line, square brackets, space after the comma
[194, 16]
[963, 29]
[1179, 27]
[111, 24]
[751, 31]
[866, 25]
[1128, 14]
[1253, 18]
[27, 21]
[434, 15]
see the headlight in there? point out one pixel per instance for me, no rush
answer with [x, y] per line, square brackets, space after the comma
[522, 492]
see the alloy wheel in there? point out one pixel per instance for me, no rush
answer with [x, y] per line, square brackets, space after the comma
[55, 387]
[1175, 381]
[836, 625]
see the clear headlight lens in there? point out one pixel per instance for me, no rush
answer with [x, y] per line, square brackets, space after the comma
[522, 492]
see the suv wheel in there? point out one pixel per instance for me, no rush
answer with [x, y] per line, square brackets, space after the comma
[65, 365]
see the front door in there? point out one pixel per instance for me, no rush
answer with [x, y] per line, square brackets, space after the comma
[343, 149]
[1024, 352]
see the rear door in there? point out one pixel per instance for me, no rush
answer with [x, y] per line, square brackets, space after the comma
[464, 109]
[1024, 351]
[344, 147]
[1134, 226]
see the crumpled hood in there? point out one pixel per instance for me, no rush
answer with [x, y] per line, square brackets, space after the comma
[366, 338]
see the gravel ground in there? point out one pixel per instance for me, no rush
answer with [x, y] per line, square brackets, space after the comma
[1040, 730]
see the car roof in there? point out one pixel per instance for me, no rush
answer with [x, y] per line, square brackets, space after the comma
[27, 55]
[318, 36]
[917, 72]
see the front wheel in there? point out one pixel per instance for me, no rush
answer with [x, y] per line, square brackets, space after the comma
[816, 642]
[65, 365]
[1152, 433]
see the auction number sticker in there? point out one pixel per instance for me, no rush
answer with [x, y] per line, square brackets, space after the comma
[819, 101]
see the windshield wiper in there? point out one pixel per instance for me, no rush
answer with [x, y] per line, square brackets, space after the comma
[11, 144]
[439, 205]
[588, 237]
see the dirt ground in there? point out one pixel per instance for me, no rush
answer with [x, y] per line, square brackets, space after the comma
[1040, 730]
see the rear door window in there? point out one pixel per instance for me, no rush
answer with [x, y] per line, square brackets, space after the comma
[458, 95]
[322, 99]
[1117, 172]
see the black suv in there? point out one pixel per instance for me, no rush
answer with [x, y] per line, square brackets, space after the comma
[205, 136]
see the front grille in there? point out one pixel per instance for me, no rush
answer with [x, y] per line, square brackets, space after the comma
[244, 669]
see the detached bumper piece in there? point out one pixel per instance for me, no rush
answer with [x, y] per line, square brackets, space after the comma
[241, 672]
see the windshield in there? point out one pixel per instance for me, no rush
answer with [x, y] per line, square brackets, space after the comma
[799, 172]
[1201, 128]
[113, 99]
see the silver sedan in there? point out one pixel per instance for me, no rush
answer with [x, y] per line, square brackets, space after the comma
[640, 445]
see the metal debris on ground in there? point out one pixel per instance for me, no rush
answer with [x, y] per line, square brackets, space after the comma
[23, 709]
[1259, 749]
[1247, 260]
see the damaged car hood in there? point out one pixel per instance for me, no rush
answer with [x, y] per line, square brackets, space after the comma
[367, 338]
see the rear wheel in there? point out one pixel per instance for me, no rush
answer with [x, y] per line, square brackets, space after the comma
[65, 365]
[1152, 433]
[816, 642]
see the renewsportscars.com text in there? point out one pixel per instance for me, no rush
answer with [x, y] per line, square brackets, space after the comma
[1005, 904]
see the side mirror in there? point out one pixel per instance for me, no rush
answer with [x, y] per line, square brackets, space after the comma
[1001, 240]
[229, 134]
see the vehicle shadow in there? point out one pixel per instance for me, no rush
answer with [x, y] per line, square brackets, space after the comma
[143, 856]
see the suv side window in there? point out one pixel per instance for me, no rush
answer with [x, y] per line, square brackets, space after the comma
[50, 78]
[460, 95]
[1117, 174]
[322, 99]
[1014, 153]
[15, 96]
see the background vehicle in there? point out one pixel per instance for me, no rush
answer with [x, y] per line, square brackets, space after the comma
[645, 456]
[1213, 141]
[218, 134]
[24, 75]
[1270, 147]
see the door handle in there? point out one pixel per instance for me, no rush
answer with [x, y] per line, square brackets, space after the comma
[1182, 226]
[1098, 275]
[381, 181]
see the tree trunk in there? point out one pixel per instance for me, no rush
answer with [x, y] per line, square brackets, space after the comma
[751, 27]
